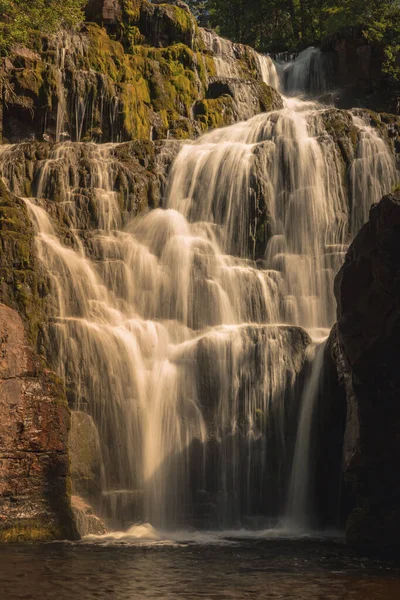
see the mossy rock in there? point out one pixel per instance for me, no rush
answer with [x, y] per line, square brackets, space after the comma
[339, 125]
[166, 81]
[23, 285]
[213, 113]
[167, 24]
[27, 530]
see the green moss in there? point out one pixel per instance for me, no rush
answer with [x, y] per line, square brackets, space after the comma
[133, 36]
[131, 10]
[135, 111]
[163, 80]
[213, 113]
[22, 283]
[104, 54]
[33, 530]
[29, 80]
[268, 97]
[182, 19]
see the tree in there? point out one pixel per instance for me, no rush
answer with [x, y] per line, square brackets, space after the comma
[200, 10]
[292, 25]
[20, 20]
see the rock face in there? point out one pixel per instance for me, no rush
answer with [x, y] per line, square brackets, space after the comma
[134, 71]
[34, 423]
[358, 72]
[365, 346]
[86, 521]
[85, 455]
[23, 285]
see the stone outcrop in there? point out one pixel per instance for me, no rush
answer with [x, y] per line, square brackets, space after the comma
[137, 78]
[86, 521]
[87, 86]
[136, 172]
[365, 349]
[34, 423]
[228, 101]
[136, 70]
[23, 285]
[85, 455]
[358, 75]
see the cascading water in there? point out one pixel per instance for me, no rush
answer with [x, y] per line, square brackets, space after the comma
[300, 507]
[370, 172]
[307, 74]
[182, 333]
[223, 51]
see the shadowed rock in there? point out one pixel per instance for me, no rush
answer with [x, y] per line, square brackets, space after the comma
[366, 354]
[34, 422]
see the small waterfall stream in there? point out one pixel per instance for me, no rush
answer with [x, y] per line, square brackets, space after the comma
[299, 511]
[184, 333]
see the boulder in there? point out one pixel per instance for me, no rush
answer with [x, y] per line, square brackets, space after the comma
[85, 455]
[230, 100]
[108, 12]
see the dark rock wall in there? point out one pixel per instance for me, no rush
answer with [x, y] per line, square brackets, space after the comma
[366, 343]
[358, 75]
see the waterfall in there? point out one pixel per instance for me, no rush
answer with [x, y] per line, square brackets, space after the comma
[306, 74]
[371, 172]
[300, 509]
[183, 332]
[223, 51]
[226, 55]
[301, 191]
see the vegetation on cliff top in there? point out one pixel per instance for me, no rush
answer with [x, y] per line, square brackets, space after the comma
[280, 25]
[21, 20]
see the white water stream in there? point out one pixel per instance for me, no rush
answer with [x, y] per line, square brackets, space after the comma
[182, 347]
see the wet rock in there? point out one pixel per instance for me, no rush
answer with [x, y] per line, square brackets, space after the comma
[34, 423]
[163, 24]
[368, 331]
[339, 125]
[230, 100]
[241, 357]
[85, 455]
[86, 521]
[134, 170]
[122, 507]
[108, 12]
[357, 70]
[139, 77]
[23, 285]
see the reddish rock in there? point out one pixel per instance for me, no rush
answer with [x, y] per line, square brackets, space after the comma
[34, 425]
[108, 12]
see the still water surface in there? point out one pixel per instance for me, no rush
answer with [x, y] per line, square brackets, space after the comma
[229, 570]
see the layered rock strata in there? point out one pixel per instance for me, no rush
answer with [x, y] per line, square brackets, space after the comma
[34, 465]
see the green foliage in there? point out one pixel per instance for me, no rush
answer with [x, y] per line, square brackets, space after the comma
[275, 25]
[20, 20]
[200, 10]
[291, 25]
